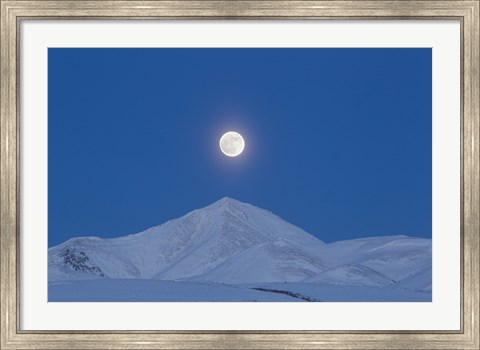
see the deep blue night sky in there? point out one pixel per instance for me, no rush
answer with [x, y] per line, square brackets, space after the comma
[338, 141]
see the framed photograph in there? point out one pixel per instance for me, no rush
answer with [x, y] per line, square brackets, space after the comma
[240, 174]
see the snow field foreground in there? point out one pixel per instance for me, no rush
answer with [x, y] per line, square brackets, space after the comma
[130, 290]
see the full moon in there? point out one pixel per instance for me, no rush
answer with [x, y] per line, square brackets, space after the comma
[232, 144]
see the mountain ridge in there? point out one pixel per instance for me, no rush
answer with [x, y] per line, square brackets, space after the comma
[233, 242]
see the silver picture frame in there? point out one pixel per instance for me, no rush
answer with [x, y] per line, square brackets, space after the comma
[14, 12]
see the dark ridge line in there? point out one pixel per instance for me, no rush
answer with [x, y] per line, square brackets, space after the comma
[286, 292]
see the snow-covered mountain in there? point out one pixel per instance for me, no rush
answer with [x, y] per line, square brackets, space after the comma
[236, 243]
[225, 234]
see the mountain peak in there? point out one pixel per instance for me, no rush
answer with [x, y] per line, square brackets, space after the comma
[226, 200]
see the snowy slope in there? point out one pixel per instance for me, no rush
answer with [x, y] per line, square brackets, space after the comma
[275, 261]
[421, 281]
[395, 257]
[351, 274]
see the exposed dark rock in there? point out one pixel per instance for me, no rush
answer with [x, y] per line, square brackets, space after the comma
[79, 261]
